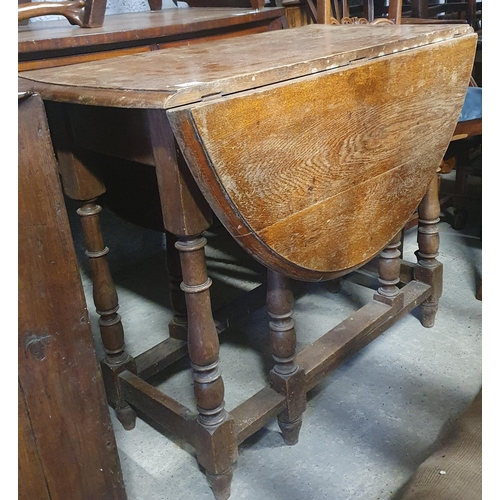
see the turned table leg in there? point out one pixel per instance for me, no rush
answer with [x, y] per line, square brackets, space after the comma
[178, 325]
[217, 448]
[429, 269]
[286, 376]
[106, 302]
[389, 269]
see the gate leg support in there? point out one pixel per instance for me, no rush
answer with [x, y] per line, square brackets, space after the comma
[286, 377]
[429, 269]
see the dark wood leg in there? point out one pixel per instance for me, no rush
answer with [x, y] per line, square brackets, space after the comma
[178, 325]
[429, 269]
[106, 302]
[217, 447]
[287, 377]
[389, 269]
[479, 289]
[334, 286]
[460, 211]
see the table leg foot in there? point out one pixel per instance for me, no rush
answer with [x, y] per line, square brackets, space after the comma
[428, 311]
[221, 484]
[127, 417]
[290, 430]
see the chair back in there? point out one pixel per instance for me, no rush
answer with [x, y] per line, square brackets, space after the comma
[449, 10]
[339, 12]
[83, 13]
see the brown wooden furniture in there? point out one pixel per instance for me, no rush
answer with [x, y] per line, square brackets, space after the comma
[66, 444]
[448, 11]
[55, 43]
[312, 163]
[84, 13]
[465, 143]
[300, 12]
[91, 13]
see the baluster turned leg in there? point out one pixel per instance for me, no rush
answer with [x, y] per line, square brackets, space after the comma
[178, 325]
[429, 269]
[106, 303]
[389, 268]
[286, 376]
[217, 449]
[334, 285]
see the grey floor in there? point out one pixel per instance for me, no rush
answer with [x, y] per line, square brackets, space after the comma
[367, 425]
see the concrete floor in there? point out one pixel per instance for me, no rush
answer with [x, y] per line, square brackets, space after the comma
[367, 426]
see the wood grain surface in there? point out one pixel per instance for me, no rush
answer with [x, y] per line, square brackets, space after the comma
[67, 445]
[313, 160]
[326, 169]
[183, 75]
[131, 26]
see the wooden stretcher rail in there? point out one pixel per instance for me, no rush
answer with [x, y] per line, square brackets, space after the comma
[318, 360]
[157, 358]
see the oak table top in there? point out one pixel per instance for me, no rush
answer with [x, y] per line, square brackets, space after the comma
[313, 145]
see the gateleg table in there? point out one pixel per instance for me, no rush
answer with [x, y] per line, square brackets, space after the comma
[313, 146]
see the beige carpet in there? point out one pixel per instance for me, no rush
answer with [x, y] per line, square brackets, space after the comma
[454, 471]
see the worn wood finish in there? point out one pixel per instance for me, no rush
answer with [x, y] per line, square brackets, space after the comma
[286, 377]
[84, 13]
[255, 4]
[216, 119]
[389, 270]
[139, 81]
[31, 481]
[64, 418]
[430, 270]
[269, 210]
[54, 43]
[169, 413]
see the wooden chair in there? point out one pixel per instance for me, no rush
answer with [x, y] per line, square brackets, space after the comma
[449, 11]
[466, 139]
[83, 13]
[343, 11]
[465, 143]
[409, 11]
